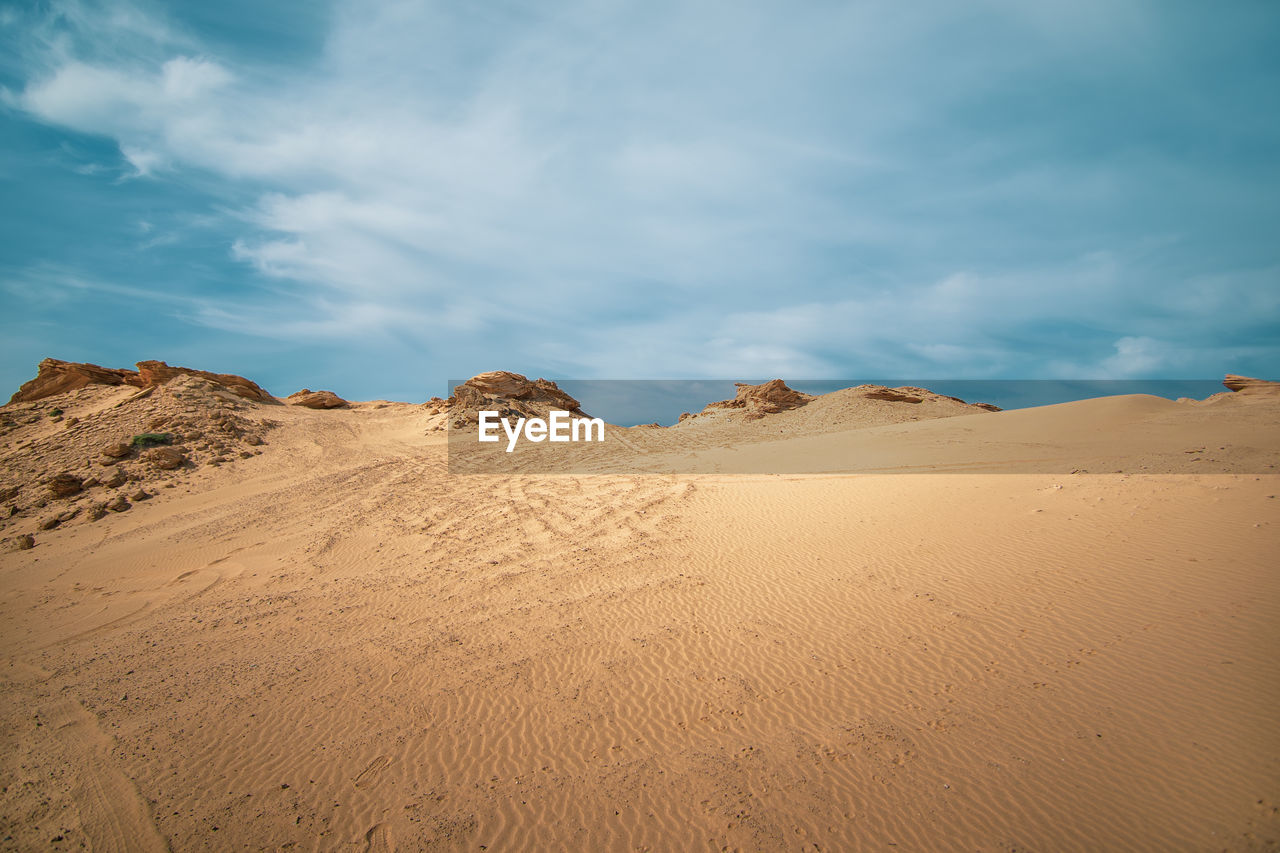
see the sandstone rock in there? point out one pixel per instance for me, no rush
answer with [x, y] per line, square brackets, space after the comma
[120, 504]
[140, 495]
[513, 386]
[96, 511]
[151, 439]
[61, 518]
[986, 407]
[24, 542]
[115, 479]
[1248, 384]
[770, 397]
[117, 450]
[64, 485]
[315, 399]
[58, 377]
[892, 395]
[510, 394]
[764, 399]
[157, 373]
[8, 493]
[165, 458]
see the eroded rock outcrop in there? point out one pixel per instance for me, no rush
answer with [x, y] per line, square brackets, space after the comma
[892, 395]
[316, 399]
[912, 394]
[57, 377]
[64, 485]
[115, 448]
[54, 376]
[1249, 385]
[767, 398]
[165, 458]
[863, 405]
[510, 394]
[157, 373]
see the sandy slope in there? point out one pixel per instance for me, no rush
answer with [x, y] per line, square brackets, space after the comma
[338, 645]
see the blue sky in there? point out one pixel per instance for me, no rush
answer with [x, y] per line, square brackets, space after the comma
[377, 196]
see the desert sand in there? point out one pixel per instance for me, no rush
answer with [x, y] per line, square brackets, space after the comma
[311, 635]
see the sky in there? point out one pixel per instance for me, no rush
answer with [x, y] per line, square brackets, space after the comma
[374, 197]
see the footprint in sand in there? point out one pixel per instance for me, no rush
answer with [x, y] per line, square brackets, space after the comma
[378, 839]
[370, 774]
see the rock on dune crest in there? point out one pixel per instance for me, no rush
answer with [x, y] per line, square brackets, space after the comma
[157, 373]
[316, 399]
[755, 401]
[504, 385]
[767, 398]
[1249, 385]
[912, 394]
[57, 377]
[510, 394]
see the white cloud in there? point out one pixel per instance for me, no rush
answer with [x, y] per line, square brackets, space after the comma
[743, 190]
[143, 162]
[1139, 356]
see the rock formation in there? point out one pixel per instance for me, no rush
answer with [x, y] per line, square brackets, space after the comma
[1249, 385]
[57, 377]
[315, 399]
[847, 406]
[912, 394]
[165, 458]
[892, 395]
[510, 394]
[64, 485]
[115, 449]
[157, 373]
[767, 398]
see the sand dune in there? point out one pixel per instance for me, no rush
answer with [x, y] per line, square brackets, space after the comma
[1123, 434]
[336, 644]
[843, 432]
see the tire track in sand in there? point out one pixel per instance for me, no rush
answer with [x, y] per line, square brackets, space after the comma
[113, 814]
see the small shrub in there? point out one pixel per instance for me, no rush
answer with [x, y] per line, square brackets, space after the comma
[152, 439]
[53, 413]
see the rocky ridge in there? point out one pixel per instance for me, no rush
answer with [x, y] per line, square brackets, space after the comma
[55, 377]
[512, 395]
[103, 447]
